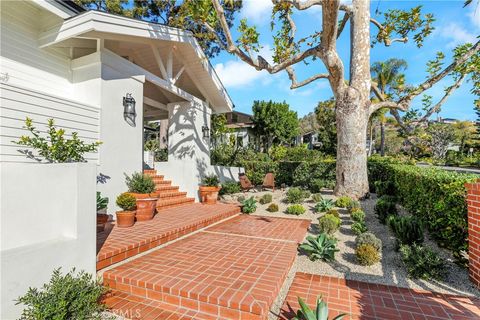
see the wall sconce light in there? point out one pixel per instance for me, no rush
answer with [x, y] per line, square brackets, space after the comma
[206, 132]
[129, 113]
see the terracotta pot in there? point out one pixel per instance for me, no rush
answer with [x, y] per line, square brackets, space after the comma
[146, 209]
[102, 219]
[209, 195]
[125, 219]
[144, 195]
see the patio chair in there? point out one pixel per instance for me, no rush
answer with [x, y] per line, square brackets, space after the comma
[245, 183]
[269, 181]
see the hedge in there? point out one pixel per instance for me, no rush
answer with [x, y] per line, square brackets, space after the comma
[292, 173]
[436, 196]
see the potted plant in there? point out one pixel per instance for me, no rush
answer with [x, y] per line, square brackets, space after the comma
[209, 189]
[102, 216]
[127, 202]
[142, 187]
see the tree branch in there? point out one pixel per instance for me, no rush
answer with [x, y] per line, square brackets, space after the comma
[293, 78]
[346, 16]
[381, 29]
[301, 5]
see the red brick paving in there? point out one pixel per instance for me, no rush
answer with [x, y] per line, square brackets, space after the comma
[217, 275]
[265, 227]
[117, 244]
[361, 300]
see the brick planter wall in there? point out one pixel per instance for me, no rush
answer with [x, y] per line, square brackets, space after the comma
[473, 199]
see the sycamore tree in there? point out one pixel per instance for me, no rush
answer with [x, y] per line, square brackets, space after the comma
[211, 22]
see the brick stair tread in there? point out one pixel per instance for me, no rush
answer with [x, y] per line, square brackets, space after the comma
[171, 194]
[161, 188]
[162, 182]
[168, 201]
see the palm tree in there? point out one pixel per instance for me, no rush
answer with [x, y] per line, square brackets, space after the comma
[388, 77]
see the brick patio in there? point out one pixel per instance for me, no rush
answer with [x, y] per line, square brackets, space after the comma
[228, 271]
[361, 300]
[117, 244]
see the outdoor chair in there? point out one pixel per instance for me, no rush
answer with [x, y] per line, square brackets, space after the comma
[269, 181]
[245, 183]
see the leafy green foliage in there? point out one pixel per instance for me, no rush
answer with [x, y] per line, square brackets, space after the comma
[230, 187]
[317, 197]
[249, 205]
[422, 262]
[370, 239]
[367, 255]
[314, 175]
[384, 188]
[102, 202]
[273, 207]
[139, 183]
[320, 313]
[385, 207]
[324, 205]
[333, 212]
[54, 147]
[266, 198]
[321, 247]
[327, 128]
[328, 223]
[210, 181]
[295, 195]
[358, 216]
[70, 296]
[296, 209]
[354, 205]
[126, 201]
[359, 228]
[407, 229]
[343, 201]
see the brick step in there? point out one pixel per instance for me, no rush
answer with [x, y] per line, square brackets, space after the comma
[166, 188]
[162, 182]
[157, 177]
[175, 202]
[150, 172]
[171, 194]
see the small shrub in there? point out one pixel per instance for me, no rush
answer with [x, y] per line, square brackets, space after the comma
[407, 229]
[316, 185]
[320, 313]
[422, 262]
[210, 181]
[324, 205]
[385, 207]
[343, 202]
[296, 209]
[70, 296]
[266, 198]
[359, 228]
[273, 207]
[367, 255]
[328, 224]
[317, 197]
[140, 183]
[333, 212]
[369, 238]
[295, 195]
[230, 187]
[321, 247]
[354, 205]
[384, 188]
[249, 205]
[126, 201]
[358, 216]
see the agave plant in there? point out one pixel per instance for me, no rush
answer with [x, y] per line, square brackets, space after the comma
[324, 205]
[249, 205]
[321, 312]
[321, 247]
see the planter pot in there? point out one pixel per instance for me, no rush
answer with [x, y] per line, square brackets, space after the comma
[102, 219]
[145, 209]
[209, 195]
[125, 219]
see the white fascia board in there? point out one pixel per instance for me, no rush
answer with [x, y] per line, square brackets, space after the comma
[113, 24]
[55, 8]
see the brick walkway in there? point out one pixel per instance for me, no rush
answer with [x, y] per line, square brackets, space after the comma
[117, 244]
[367, 301]
[221, 273]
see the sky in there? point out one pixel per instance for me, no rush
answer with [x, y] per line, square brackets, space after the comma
[454, 25]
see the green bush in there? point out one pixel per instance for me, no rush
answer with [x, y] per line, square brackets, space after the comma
[407, 229]
[328, 224]
[422, 262]
[316, 185]
[324, 205]
[384, 188]
[353, 206]
[273, 207]
[266, 198]
[369, 238]
[308, 172]
[70, 296]
[126, 201]
[321, 247]
[367, 255]
[296, 209]
[295, 195]
[333, 212]
[140, 183]
[358, 216]
[249, 205]
[343, 202]
[359, 228]
[316, 197]
[230, 187]
[384, 208]
[437, 197]
[210, 181]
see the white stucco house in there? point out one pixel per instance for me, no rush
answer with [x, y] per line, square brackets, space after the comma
[75, 66]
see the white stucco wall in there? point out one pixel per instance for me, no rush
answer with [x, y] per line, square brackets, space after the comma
[47, 220]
